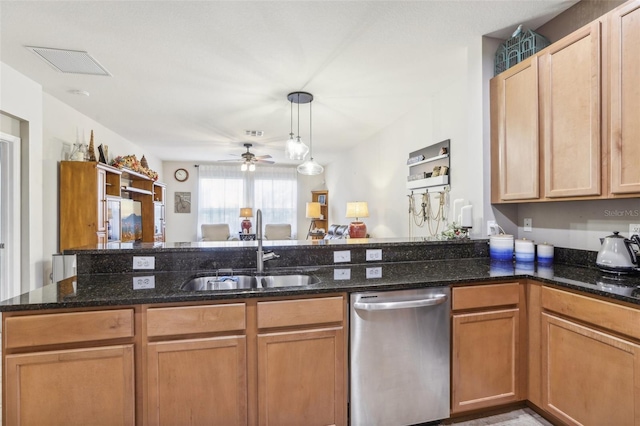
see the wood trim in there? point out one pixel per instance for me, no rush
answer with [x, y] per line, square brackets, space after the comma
[195, 319]
[534, 311]
[290, 313]
[606, 315]
[485, 296]
[624, 107]
[71, 327]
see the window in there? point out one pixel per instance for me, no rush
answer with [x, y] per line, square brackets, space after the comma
[223, 190]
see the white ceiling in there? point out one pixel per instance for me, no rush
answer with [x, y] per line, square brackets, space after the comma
[189, 77]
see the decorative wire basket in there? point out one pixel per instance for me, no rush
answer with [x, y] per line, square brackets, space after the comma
[518, 48]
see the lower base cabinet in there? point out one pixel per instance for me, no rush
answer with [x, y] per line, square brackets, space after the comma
[198, 382]
[485, 347]
[91, 386]
[590, 360]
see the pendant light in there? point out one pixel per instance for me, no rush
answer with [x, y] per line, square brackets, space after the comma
[310, 167]
[295, 149]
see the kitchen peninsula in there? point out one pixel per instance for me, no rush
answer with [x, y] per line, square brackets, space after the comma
[153, 353]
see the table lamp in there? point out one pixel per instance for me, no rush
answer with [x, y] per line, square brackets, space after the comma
[246, 212]
[357, 210]
[313, 213]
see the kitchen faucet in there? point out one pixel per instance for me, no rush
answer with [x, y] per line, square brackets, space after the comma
[261, 256]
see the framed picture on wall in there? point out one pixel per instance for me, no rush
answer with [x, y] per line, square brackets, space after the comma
[322, 199]
[182, 202]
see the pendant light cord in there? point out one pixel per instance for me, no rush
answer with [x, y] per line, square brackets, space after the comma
[291, 130]
[310, 133]
[298, 116]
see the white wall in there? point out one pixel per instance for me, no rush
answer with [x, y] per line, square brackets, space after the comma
[21, 98]
[62, 125]
[182, 227]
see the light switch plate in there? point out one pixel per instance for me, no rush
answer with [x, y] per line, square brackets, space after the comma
[528, 224]
[374, 272]
[634, 228]
[342, 256]
[342, 274]
[144, 262]
[142, 283]
[374, 255]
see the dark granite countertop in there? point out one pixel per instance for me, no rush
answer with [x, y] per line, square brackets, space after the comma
[94, 290]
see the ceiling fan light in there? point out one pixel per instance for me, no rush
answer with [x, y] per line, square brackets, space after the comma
[252, 167]
[243, 167]
[310, 168]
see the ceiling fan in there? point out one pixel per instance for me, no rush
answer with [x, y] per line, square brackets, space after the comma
[249, 159]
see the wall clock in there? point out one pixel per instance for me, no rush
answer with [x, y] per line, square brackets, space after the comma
[181, 175]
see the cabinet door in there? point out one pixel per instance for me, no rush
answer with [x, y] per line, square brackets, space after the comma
[485, 359]
[93, 386]
[199, 382]
[514, 116]
[625, 99]
[301, 378]
[102, 201]
[570, 104]
[589, 377]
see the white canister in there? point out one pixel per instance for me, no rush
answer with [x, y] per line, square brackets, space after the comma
[545, 253]
[501, 247]
[525, 251]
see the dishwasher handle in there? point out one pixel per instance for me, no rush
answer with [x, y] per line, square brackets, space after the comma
[403, 304]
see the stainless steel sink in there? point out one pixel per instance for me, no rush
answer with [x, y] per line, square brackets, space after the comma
[293, 280]
[240, 282]
[231, 282]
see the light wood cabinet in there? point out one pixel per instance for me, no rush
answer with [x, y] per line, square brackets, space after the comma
[570, 84]
[256, 362]
[85, 189]
[487, 362]
[302, 362]
[514, 133]
[590, 360]
[73, 368]
[624, 107]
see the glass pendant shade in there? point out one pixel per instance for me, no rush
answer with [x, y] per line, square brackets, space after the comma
[310, 168]
[299, 150]
[289, 146]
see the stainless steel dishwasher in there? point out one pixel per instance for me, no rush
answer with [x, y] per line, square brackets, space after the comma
[399, 357]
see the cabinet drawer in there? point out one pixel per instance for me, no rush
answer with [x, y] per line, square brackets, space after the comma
[600, 313]
[196, 319]
[300, 312]
[71, 327]
[484, 296]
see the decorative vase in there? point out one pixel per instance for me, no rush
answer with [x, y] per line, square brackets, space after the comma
[92, 152]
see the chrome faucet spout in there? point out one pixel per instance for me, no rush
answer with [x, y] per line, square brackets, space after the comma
[261, 256]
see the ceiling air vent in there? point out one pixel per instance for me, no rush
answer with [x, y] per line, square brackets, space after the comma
[70, 61]
[254, 132]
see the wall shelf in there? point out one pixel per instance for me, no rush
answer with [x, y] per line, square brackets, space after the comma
[433, 158]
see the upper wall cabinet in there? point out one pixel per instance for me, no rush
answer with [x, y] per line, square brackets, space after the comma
[587, 98]
[514, 129]
[570, 130]
[624, 135]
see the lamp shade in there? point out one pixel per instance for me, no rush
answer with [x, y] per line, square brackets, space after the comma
[246, 212]
[313, 210]
[357, 209]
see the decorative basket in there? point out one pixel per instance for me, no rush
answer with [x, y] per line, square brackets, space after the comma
[518, 48]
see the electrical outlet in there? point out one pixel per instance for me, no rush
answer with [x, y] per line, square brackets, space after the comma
[528, 224]
[374, 254]
[634, 228]
[142, 283]
[374, 272]
[144, 262]
[341, 256]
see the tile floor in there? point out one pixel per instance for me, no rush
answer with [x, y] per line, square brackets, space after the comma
[520, 417]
